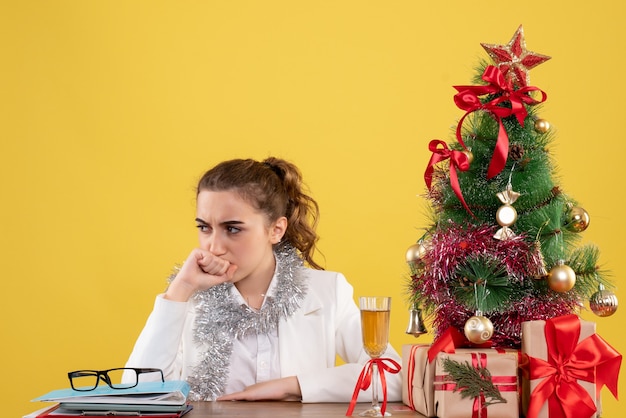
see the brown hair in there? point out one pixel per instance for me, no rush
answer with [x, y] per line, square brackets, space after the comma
[273, 186]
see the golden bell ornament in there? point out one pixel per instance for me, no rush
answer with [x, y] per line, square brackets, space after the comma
[542, 126]
[561, 277]
[416, 323]
[577, 219]
[603, 302]
[478, 329]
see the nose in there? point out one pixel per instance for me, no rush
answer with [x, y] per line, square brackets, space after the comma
[215, 244]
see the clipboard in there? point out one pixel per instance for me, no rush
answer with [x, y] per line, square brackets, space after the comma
[58, 411]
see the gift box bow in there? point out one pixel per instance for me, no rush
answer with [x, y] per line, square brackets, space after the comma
[591, 360]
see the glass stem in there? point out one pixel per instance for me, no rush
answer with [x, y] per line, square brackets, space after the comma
[375, 387]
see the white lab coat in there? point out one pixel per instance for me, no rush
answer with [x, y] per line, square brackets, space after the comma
[327, 324]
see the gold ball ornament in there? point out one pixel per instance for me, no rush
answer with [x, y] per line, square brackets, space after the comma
[414, 256]
[542, 126]
[415, 252]
[577, 219]
[561, 277]
[478, 329]
[603, 302]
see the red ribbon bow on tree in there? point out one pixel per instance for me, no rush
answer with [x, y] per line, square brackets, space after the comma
[458, 160]
[591, 360]
[365, 379]
[467, 99]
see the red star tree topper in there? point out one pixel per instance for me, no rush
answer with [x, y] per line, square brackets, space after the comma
[514, 60]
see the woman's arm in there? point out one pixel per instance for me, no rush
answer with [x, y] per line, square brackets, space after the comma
[336, 384]
[283, 389]
[159, 344]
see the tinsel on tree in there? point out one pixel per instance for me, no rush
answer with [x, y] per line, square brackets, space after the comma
[504, 243]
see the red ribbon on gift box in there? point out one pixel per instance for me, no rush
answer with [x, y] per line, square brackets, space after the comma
[449, 341]
[479, 409]
[365, 379]
[467, 99]
[411, 375]
[591, 360]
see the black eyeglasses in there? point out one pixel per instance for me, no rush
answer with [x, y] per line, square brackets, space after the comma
[86, 380]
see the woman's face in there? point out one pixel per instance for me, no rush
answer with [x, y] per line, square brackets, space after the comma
[230, 228]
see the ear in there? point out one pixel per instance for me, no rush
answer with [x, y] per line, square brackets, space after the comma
[278, 229]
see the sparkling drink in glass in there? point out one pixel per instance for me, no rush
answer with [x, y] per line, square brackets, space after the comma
[375, 313]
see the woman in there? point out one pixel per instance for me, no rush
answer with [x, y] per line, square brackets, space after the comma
[243, 319]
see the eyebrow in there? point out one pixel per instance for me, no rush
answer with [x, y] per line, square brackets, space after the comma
[200, 221]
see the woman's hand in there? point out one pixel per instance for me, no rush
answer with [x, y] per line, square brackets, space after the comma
[283, 389]
[202, 270]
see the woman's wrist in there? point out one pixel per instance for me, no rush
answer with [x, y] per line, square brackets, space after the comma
[179, 291]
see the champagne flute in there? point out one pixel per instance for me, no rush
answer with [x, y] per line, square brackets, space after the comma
[375, 312]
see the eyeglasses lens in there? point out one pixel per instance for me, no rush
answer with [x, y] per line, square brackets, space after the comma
[85, 380]
[115, 376]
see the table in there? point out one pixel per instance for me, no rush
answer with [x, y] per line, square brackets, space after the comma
[286, 409]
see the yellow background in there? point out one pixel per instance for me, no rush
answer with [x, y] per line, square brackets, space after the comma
[110, 110]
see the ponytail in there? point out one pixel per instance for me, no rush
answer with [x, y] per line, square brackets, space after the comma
[302, 210]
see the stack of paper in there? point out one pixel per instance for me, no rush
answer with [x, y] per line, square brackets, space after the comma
[150, 399]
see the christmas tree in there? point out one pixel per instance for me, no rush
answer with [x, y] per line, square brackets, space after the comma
[504, 243]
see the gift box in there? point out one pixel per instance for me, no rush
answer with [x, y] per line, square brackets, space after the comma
[418, 375]
[566, 364]
[502, 376]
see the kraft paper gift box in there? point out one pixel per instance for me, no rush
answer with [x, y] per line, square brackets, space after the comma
[572, 341]
[418, 375]
[503, 366]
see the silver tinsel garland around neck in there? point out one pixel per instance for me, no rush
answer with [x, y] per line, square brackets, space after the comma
[220, 319]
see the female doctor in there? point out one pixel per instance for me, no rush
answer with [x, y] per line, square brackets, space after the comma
[243, 318]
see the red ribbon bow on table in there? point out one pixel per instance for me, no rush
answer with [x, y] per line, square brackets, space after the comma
[458, 160]
[467, 99]
[365, 379]
[591, 360]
